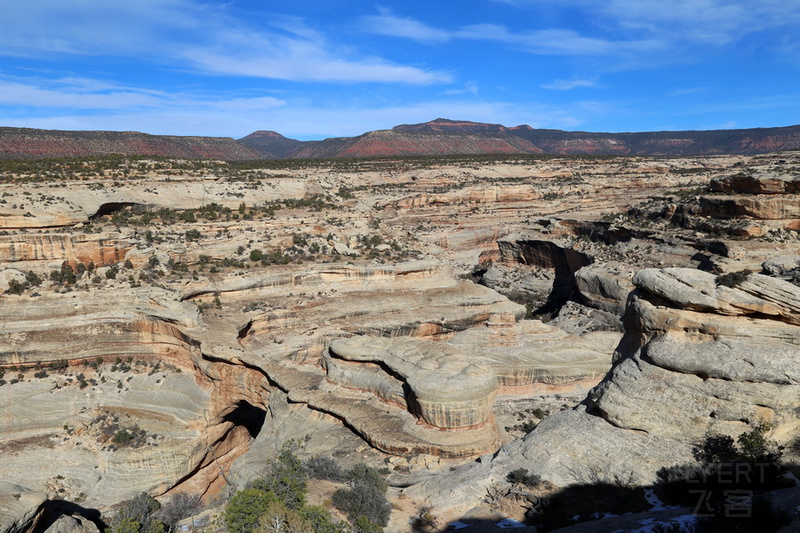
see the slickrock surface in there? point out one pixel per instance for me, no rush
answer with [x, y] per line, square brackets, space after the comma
[447, 389]
[167, 325]
[20, 508]
[696, 358]
[529, 352]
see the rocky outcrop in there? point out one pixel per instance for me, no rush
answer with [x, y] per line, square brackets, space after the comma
[54, 248]
[762, 183]
[445, 388]
[223, 336]
[528, 352]
[605, 286]
[539, 272]
[55, 206]
[20, 508]
[72, 524]
[714, 359]
[747, 204]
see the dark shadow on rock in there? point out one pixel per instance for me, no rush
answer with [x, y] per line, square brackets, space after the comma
[54, 509]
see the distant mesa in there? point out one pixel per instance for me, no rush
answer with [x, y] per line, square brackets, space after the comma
[439, 137]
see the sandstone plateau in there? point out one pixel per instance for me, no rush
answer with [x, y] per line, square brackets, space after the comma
[420, 315]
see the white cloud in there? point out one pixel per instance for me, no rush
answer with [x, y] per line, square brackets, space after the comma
[393, 26]
[304, 63]
[566, 85]
[188, 35]
[469, 88]
[98, 98]
[554, 41]
[710, 22]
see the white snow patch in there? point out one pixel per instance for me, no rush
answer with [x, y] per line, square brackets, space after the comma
[509, 523]
[655, 502]
[687, 524]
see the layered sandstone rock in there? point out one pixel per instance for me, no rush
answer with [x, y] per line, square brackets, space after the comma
[380, 257]
[713, 359]
[20, 508]
[528, 352]
[765, 183]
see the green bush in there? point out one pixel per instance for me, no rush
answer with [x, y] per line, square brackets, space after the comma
[275, 502]
[285, 477]
[754, 446]
[324, 468]
[245, 509]
[363, 499]
[193, 235]
[137, 516]
[367, 475]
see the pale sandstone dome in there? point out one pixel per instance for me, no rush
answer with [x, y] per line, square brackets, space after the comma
[529, 351]
[449, 390]
[713, 359]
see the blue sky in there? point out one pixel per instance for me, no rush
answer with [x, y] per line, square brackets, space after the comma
[311, 69]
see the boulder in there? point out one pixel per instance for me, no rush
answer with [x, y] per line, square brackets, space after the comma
[20, 507]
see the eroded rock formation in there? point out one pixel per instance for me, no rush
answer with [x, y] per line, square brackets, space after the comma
[208, 315]
[697, 358]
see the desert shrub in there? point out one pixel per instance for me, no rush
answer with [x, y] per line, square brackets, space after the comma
[749, 463]
[522, 476]
[363, 474]
[64, 276]
[137, 516]
[276, 501]
[33, 279]
[285, 477]
[363, 499]
[321, 520]
[277, 518]
[182, 505]
[15, 287]
[732, 279]
[193, 235]
[112, 272]
[754, 446]
[245, 508]
[362, 524]
[324, 468]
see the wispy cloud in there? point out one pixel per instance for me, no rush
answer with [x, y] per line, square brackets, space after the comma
[469, 88]
[567, 85]
[188, 35]
[393, 26]
[714, 22]
[688, 91]
[554, 41]
[34, 97]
